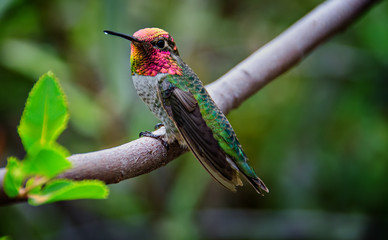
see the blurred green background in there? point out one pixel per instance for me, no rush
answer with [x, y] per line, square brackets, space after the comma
[317, 136]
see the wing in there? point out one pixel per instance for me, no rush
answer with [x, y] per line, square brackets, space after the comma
[183, 109]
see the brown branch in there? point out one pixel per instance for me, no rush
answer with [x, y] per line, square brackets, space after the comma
[146, 154]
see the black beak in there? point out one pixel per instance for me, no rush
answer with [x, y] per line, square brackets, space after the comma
[128, 37]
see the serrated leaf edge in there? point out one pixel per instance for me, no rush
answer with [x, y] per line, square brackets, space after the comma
[39, 199]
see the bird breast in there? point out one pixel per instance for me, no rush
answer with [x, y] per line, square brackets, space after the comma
[147, 89]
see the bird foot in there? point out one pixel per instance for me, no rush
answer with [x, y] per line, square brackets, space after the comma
[158, 137]
[158, 125]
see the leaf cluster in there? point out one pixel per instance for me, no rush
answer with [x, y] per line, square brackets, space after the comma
[44, 118]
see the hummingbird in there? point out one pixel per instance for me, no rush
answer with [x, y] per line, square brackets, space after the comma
[176, 96]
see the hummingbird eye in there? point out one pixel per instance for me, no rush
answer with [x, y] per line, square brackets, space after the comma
[160, 43]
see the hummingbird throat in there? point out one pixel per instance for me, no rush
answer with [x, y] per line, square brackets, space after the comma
[151, 61]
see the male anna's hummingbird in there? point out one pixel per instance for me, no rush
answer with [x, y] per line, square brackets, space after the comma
[174, 93]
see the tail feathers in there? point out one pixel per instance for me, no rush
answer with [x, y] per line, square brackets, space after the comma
[258, 184]
[255, 181]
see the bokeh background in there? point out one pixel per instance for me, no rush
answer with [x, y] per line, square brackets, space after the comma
[317, 136]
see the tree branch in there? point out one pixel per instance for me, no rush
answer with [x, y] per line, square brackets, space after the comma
[146, 154]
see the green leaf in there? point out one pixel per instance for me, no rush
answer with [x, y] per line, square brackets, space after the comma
[46, 161]
[44, 118]
[64, 189]
[34, 184]
[13, 178]
[45, 115]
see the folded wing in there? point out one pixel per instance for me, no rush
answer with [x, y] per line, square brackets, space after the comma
[183, 109]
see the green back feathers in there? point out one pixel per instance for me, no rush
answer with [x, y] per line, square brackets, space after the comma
[215, 119]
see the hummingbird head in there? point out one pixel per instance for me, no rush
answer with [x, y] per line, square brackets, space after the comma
[153, 51]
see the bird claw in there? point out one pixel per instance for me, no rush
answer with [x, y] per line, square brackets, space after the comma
[159, 125]
[154, 136]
